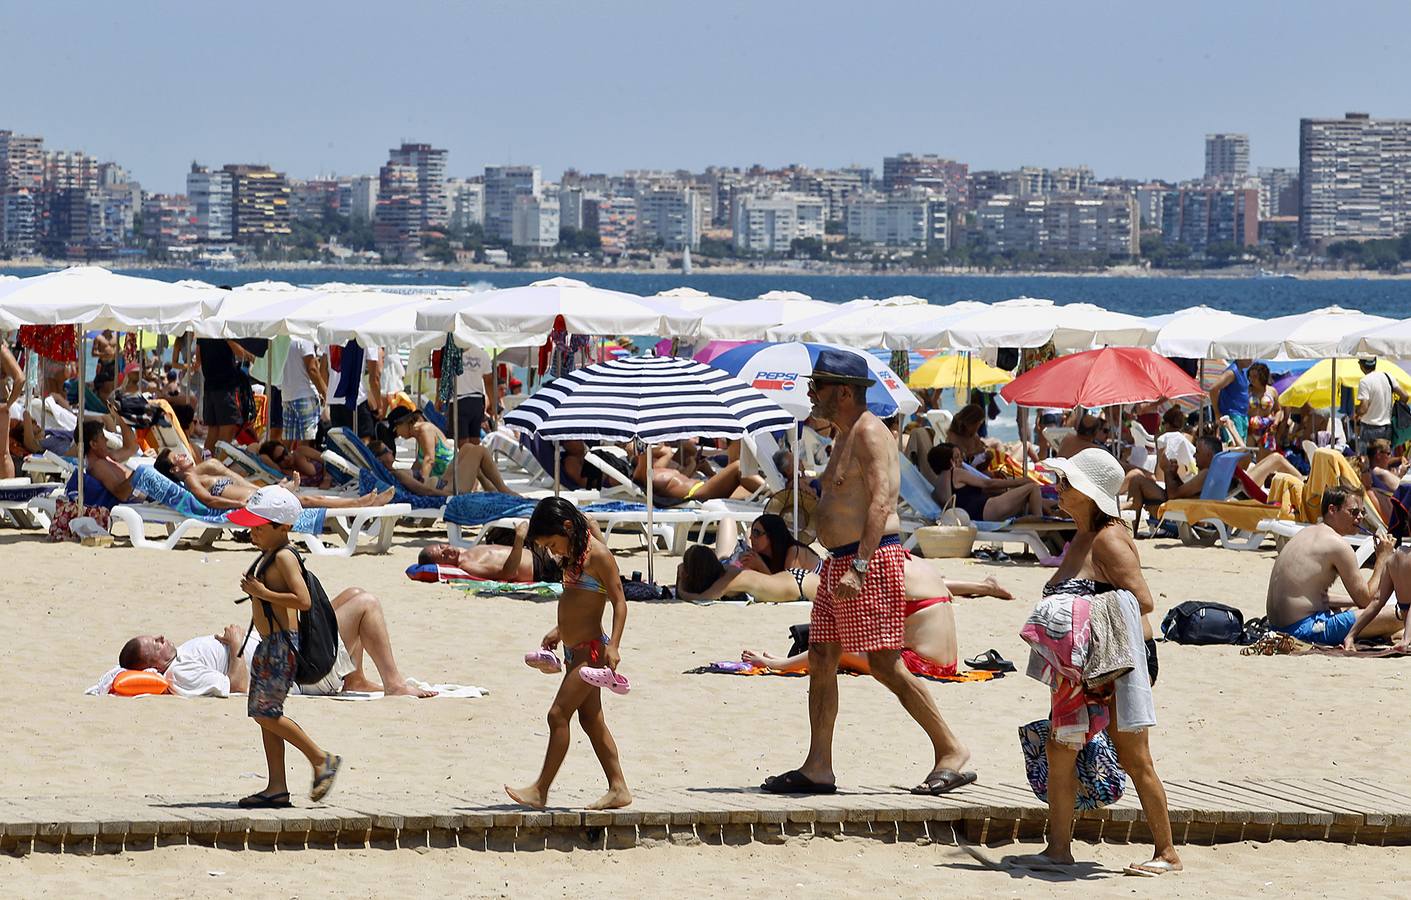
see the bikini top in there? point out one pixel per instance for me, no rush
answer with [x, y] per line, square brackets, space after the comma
[1083, 587]
[585, 582]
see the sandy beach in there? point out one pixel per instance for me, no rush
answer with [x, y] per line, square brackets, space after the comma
[69, 609]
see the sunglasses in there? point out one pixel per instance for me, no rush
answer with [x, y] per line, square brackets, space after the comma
[1061, 482]
[817, 384]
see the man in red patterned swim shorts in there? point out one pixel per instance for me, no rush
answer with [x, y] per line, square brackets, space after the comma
[861, 602]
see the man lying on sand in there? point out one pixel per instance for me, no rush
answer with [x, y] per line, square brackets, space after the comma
[216, 665]
[501, 556]
[1298, 602]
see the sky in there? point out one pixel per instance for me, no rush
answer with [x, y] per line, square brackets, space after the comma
[314, 87]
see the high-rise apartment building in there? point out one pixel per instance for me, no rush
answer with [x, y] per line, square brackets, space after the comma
[1200, 217]
[19, 216]
[398, 224]
[1226, 157]
[1104, 226]
[1278, 192]
[311, 200]
[614, 219]
[670, 216]
[467, 197]
[212, 198]
[1354, 177]
[357, 198]
[167, 220]
[770, 225]
[21, 192]
[502, 185]
[259, 204]
[21, 162]
[535, 222]
[943, 176]
[917, 219]
[430, 167]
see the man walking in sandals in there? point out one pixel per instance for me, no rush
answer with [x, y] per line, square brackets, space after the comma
[861, 602]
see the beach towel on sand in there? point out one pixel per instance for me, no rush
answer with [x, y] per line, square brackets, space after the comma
[370, 483]
[162, 490]
[522, 590]
[735, 667]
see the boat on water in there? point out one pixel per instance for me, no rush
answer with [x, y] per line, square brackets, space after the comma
[1266, 273]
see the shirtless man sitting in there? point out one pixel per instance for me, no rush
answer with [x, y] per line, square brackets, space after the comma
[217, 666]
[1298, 602]
[860, 605]
[217, 486]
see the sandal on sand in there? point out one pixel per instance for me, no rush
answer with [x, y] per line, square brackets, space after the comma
[944, 781]
[796, 782]
[545, 660]
[1152, 869]
[605, 678]
[990, 661]
[323, 781]
[265, 801]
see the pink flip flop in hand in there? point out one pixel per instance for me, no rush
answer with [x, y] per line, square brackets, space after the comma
[544, 660]
[605, 678]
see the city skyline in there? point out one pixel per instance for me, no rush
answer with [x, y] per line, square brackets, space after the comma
[299, 99]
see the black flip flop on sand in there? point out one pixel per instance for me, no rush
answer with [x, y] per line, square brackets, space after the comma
[944, 781]
[796, 782]
[990, 661]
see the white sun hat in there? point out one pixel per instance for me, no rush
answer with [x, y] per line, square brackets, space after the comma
[1096, 474]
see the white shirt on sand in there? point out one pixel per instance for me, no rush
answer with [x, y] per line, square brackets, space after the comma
[202, 665]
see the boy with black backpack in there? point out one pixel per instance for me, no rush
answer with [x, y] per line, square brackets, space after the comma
[298, 641]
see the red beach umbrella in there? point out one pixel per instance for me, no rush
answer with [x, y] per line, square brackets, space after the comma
[1106, 377]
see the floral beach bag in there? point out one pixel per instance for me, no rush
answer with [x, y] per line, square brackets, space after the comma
[1101, 780]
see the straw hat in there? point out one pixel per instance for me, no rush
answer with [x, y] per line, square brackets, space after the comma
[1095, 474]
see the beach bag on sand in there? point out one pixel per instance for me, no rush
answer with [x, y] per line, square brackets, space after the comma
[1101, 780]
[318, 629]
[1201, 622]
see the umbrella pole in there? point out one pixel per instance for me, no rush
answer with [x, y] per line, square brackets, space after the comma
[1205, 399]
[269, 394]
[651, 534]
[493, 406]
[1332, 406]
[558, 464]
[455, 437]
[78, 432]
[794, 444]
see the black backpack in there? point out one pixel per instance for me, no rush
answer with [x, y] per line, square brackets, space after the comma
[318, 628]
[1201, 622]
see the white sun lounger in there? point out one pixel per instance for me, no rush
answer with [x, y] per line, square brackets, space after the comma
[19, 501]
[918, 509]
[1282, 530]
[367, 529]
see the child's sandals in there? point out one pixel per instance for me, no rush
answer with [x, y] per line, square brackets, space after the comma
[605, 678]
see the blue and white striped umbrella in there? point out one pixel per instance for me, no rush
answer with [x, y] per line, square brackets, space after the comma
[651, 399]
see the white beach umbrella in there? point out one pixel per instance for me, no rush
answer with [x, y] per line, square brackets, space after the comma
[391, 327]
[298, 313]
[1392, 340]
[866, 325]
[1187, 333]
[518, 315]
[1310, 335]
[650, 399]
[685, 300]
[1032, 322]
[94, 298]
[917, 328]
[749, 320]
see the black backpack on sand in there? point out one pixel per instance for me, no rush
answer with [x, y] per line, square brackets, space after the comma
[1202, 622]
[318, 629]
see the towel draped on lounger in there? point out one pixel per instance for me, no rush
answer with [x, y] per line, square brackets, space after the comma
[162, 490]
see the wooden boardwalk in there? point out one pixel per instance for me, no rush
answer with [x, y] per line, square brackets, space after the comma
[1349, 810]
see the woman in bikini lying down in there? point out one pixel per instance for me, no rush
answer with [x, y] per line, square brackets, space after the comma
[930, 622]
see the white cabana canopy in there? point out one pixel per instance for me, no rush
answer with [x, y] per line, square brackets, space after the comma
[749, 320]
[1310, 335]
[1187, 333]
[520, 315]
[92, 297]
[299, 312]
[1032, 322]
[876, 323]
[1390, 340]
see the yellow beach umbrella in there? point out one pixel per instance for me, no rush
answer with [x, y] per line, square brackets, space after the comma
[950, 371]
[1314, 386]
